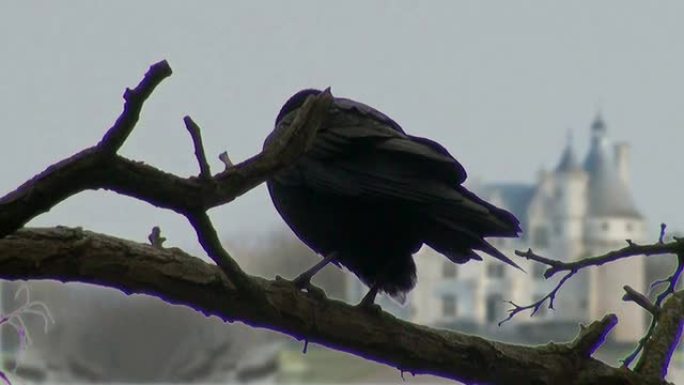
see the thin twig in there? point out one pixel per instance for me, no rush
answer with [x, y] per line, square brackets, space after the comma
[627, 361]
[155, 238]
[551, 297]
[671, 281]
[639, 299]
[209, 239]
[196, 136]
[225, 159]
[134, 99]
[3, 376]
[556, 265]
[631, 250]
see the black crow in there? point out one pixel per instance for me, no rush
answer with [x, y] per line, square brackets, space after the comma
[367, 196]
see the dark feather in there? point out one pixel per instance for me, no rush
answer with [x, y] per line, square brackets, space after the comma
[375, 195]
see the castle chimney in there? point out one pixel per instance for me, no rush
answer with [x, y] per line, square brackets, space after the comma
[622, 161]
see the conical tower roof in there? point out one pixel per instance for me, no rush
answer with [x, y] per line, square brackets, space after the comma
[608, 195]
[568, 161]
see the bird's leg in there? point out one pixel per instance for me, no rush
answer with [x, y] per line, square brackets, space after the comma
[303, 281]
[368, 300]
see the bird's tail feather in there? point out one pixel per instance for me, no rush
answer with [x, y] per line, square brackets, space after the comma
[494, 252]
[457, 242]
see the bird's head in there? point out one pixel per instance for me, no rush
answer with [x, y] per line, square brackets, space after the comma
[295, 101]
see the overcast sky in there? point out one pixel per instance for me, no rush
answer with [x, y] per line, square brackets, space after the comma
[499, 83]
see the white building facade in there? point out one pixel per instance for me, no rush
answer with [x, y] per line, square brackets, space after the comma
[575, 210]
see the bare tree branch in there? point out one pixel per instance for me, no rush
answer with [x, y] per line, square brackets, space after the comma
[632, 250]
[95, 168]
[661, 237]
[658, 349]
[664, 348]
[76, 255]
[155, 238]
[225, 159]
[118, 133]
[672, 280]
[632, 295]
[592, 336]
[196, 135]
[551, 297]
[206, 234]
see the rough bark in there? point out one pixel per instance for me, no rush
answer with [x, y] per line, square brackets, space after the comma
[67, 254]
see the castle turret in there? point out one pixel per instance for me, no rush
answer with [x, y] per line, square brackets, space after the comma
[611, 219]
[608, 193]
[622, 162]
[570, 204]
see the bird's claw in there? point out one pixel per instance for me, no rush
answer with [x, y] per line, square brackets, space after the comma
[304, 283]
[316, 292]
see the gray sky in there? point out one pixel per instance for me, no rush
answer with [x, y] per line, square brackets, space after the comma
[499, 83]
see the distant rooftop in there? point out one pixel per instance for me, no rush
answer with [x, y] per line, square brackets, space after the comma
[568, 161]
[516, 197]
[609, 196]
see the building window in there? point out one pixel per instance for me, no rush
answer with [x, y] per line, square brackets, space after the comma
[494, 308]
[538, 271]
[495, 270]
[449, 270]
[449, 306]
[540, 237]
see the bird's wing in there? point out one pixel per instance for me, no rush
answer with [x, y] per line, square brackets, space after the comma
[363, 154]
[353, 128]
[454, 219]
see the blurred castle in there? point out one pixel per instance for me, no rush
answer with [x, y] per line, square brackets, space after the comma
[575, 210]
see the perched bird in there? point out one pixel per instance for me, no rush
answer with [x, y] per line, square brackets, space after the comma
[367, 196]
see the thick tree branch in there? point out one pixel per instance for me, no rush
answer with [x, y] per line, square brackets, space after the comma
[76, 255]
[658, 349]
